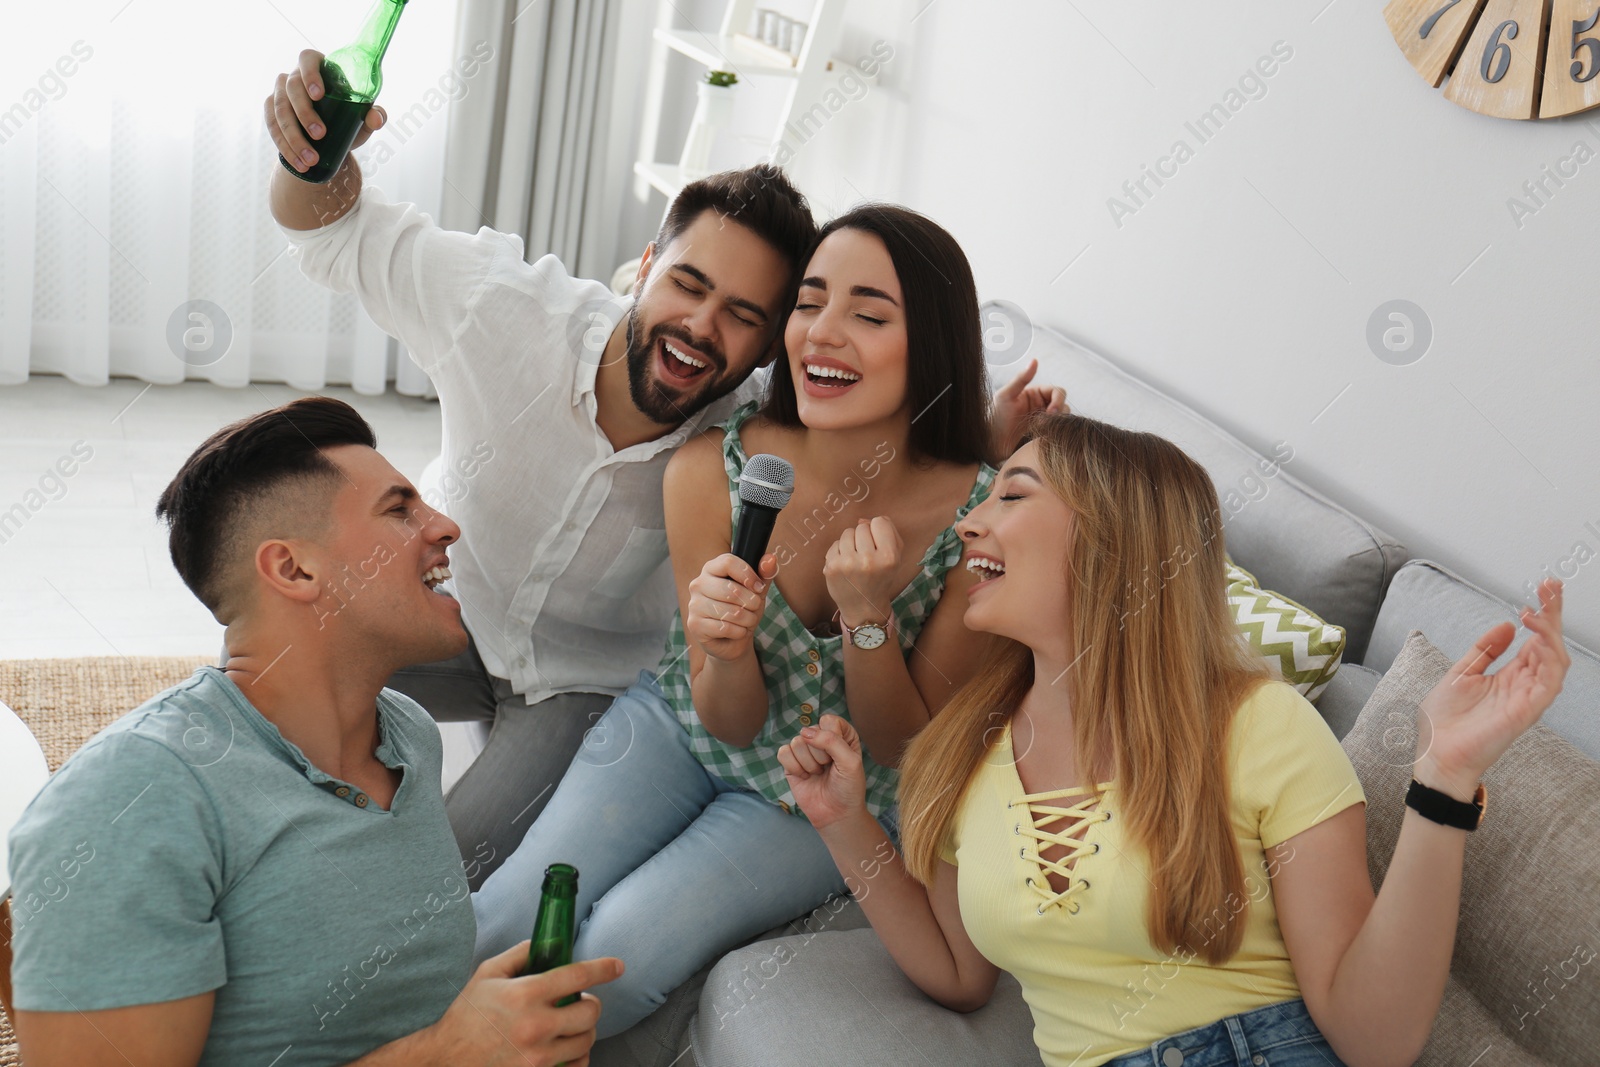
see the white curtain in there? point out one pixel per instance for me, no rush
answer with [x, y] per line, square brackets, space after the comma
[134, 167]
[549, 155]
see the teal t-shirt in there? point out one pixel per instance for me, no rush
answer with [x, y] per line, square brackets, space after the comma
[189, 847]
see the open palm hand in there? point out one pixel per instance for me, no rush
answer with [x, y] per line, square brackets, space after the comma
[1471, 716]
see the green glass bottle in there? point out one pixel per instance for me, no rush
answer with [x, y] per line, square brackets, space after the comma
[556, 927]
[351, 79]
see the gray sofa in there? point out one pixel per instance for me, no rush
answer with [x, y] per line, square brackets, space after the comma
[820, 990]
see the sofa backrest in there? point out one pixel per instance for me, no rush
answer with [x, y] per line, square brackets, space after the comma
[1293, 539]
[1454, 613]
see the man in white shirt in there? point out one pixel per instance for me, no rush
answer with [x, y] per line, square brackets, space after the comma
[561, 405]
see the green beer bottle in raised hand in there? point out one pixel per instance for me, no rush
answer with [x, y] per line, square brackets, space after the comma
[351, 78]
[555, 928]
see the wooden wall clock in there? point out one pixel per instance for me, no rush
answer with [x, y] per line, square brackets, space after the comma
[1513, 59]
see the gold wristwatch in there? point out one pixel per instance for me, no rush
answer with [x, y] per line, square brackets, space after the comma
[868, 635]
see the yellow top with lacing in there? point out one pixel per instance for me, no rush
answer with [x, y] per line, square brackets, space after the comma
[1096, 985]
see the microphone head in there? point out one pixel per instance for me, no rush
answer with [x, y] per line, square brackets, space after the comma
[767, 481]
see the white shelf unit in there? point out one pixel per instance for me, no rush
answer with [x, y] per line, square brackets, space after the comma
[748, 58]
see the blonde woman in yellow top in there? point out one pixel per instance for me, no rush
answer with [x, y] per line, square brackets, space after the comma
[1166, 847]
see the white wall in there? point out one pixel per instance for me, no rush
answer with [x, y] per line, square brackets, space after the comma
[1244, 284]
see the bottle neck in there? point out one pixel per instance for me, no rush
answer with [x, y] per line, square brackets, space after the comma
[355, 72]
[379, 28]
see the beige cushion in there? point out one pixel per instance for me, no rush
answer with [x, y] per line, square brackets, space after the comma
[1525, 975]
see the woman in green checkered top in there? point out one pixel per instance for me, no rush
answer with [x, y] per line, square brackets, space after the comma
[676, 810]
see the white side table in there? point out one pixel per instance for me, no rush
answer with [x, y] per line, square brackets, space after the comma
[23, 772]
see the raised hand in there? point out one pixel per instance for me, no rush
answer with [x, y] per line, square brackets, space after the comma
[290, 114]
[1471, 717]
[1016, 400]
[726, 602]
[862, 568]
[824, 771]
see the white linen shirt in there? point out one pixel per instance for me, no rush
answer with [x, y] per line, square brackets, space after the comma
[562, 568]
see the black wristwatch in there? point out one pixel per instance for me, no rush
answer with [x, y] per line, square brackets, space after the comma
[1445, 809]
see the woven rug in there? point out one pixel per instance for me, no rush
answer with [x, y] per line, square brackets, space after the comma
[67, 701]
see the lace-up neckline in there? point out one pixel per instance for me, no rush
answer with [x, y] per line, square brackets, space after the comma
[1070, 818]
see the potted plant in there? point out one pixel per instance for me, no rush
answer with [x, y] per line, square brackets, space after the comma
[713, 110]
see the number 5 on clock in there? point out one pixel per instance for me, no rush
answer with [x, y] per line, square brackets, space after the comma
[1572, 59]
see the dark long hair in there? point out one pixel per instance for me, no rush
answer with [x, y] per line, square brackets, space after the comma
[945, 373]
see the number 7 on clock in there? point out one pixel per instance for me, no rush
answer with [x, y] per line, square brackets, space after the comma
[1432, 33]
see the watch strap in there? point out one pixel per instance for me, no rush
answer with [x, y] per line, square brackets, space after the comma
[1445, 809]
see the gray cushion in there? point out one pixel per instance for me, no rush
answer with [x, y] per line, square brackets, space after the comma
[1289, 536]
[1524, 960]
[661, 1039]
[1341, 703]
[839, 998]
[1454, 613]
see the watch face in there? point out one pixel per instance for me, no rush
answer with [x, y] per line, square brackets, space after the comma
[868, 635]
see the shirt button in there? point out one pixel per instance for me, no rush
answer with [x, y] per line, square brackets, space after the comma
[787, 810]
[342, 791]
[811, 668]
[806, 708]
[805, 720]
[361, 800]
[813, 654]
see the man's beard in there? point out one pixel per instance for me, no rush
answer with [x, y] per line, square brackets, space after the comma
[649, 396]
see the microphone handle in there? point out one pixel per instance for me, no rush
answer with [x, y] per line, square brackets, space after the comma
[750, 537]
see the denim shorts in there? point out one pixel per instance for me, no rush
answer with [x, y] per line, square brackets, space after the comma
[1277, 1035]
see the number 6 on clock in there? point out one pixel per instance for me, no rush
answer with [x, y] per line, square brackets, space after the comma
[1498, 73]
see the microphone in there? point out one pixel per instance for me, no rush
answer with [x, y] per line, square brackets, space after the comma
[764, 489]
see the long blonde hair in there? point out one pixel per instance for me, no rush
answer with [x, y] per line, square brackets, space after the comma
[1157, 675]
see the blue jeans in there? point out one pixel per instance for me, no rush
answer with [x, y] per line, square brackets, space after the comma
[675, 865]
[1277, 1035]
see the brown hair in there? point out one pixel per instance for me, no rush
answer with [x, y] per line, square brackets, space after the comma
[760, 198]
[236, 477]
[1158, 672]
[945, 373]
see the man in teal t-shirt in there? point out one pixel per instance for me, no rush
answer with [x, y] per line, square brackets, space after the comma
[255, 866]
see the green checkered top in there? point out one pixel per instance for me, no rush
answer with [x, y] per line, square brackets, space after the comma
[804, 672]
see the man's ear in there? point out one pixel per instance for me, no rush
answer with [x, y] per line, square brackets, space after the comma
[282, 565]
[644, 268]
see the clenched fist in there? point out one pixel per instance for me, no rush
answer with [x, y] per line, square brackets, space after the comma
[824, 770]
[861, 570]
